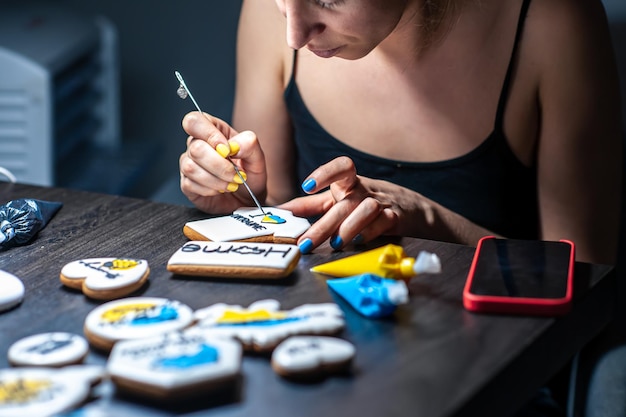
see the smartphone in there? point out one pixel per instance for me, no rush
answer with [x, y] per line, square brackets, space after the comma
[532, 277]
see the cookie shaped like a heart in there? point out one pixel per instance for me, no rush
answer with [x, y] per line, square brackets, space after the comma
[105, 278]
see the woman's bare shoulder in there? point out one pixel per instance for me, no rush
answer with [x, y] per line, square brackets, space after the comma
[261, 36]
[554, 25]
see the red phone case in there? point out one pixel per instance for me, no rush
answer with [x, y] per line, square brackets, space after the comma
[518, 305]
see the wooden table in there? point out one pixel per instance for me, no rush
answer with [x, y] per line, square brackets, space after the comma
[433, 358]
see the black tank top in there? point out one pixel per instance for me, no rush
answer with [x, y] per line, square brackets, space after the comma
[489, 185]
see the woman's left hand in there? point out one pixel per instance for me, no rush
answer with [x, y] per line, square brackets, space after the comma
[355, 209]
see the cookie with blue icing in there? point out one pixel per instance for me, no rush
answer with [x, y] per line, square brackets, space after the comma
[134, 318]
[249, 224]
[174, 365]
[105, 278]
[262, 325]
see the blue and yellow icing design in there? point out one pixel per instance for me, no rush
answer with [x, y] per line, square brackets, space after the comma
[255, 318]
[139, 314]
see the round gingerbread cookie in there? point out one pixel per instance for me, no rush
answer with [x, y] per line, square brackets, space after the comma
[134, 318]
[43, 392]
[105, 278]
[301, 356]
[174, 365]
[54, 349]
[11, 291]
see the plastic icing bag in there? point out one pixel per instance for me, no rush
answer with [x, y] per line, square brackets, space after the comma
[22, 219]
[371, 295]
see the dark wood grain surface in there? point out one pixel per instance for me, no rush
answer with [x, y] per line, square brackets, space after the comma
[433, 358]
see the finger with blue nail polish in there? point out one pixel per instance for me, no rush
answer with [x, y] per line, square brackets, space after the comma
[305, 246]
[336, 242]
[358, 239]
[309, 185]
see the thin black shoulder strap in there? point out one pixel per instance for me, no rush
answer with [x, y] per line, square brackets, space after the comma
[504, 94]
[293, 66]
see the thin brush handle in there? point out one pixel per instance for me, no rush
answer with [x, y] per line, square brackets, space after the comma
[243, 180]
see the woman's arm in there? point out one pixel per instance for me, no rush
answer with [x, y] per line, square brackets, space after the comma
[263, 67]
[579, 152]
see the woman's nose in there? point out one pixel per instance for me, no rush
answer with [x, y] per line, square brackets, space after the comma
[301, 25]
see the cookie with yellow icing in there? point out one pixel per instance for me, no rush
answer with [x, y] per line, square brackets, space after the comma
[134, 318]
[249, 224]
[105, 278]
[44, 392]
[262, 325]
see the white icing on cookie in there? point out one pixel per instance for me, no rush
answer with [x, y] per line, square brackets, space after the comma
[262, 325]
[246, 223]
[11, 291]
[48, 349]
[42, 392]
[100, 274]
[175, 360]
[235, 254]
[137, 317]
[306, 354]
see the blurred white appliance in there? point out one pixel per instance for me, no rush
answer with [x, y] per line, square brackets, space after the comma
[59, 92]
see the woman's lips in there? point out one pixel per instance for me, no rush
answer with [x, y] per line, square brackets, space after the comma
[326, 53]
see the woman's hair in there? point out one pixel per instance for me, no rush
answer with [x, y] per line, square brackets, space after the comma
[438, 17]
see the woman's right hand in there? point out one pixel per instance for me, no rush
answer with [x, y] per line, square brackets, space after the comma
[207, 178]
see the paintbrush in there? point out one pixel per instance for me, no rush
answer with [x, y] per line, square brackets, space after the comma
[184, 92]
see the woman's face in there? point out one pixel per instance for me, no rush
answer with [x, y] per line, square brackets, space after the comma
[347, 29]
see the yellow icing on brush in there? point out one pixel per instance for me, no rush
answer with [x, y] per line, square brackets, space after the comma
[388, 261]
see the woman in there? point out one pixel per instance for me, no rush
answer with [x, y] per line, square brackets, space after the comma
[441, 119]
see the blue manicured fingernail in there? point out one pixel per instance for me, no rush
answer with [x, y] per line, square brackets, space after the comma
[336, 242]
[306, 245]
[308, 185]
[358, 239]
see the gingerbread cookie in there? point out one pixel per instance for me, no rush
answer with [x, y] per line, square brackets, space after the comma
[249, 224]
[44, 392]
[48, 349]
[307, 356]
[134, 318]
[174, 365]
[263, 325]
[11, 291]
[106, 278]
[235, 259]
